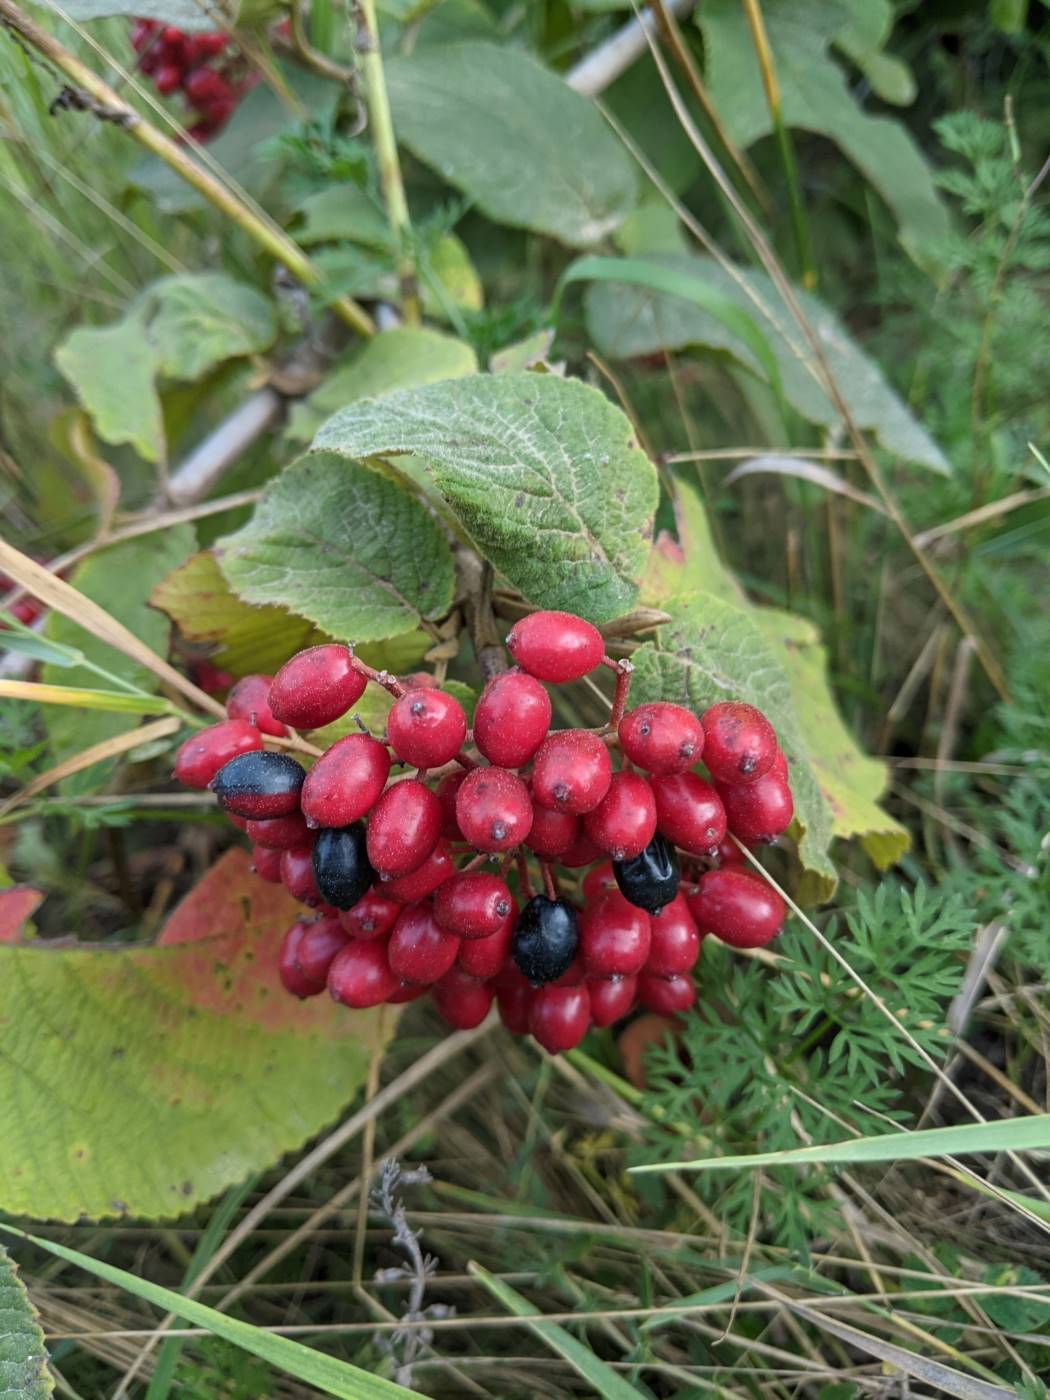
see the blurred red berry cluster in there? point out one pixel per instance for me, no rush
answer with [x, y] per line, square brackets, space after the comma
[208, 69]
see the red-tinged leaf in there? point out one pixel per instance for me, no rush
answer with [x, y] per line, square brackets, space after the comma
[17, 904]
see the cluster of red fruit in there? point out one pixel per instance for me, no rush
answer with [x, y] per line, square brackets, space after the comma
[207, 68]
[402, 904]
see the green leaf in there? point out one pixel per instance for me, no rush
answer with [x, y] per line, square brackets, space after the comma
[198, 321]
[862, 38]
[343, 212]
[325, 1373]
[112, 369]
[600, 1378]
[525, 148]
[1026, 1134]
[23, 1357]
[142, 1080]
[187, 14]
[815, 97]
[344, 545]
[543, 473]
[625, 322]
[120, 579]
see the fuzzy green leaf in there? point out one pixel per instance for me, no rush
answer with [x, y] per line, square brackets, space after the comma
[23, 1358]
[197, 322]
[112, 369]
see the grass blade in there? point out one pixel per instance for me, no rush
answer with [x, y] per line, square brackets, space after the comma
[114, 700]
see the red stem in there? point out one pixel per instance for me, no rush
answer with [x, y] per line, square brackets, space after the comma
[548, 880]
[624, 670]
[383, 678]
[523, 872]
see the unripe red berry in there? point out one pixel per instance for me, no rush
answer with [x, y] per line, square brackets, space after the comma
[316, 687]
[513, 1004]
[259, 785]
[598, 882]
[612, 998]
[511, 719]
[345, 782]
[758, 812]
[583, 851]
[739, 742]
[292, 976]
[173, 35]
[473, 904]
[204, 753]
[555, 646]
[551, 832]
[614, 937]
[425, 879]
[675, 940]
[167, 78]
[373, 916]
[560, 1017]
[267, 864]
[463, 1001]
[729, 853]
[404, 828]
[142, 32]
[624, 821]
[741, 909]
[360, 976]
[220, 109]
[297, 875]
[689, 812]
[204, 85]
[485, 958]
[662, 738]
[250, 700]
[572, 771]
[426, 728]
[318, 947]
[241, 823]
[666, 996]
[493, 809]
[279, 833]
[448, 789]
[419, 950]
[406, 992]
[420, 680]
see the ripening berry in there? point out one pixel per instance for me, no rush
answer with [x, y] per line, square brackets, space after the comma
[612, 998]
[403, 828]
[551, 832]
[267, 864]
[614, 937]
[250, 699]
[739, 742]
[341, 866]
[741, 909]
[318, 947]
[493, 809]
[167, 78]
[425, 879]
[463, 1001]
[360, 976]
[675, 940]
[513, 1004]
[555, 646]
[582, 852]
[426, 728]
[204, 85]
[484, 958]
[259, 785]
[316, 687]
[662, 738]
[511, 719]
[279, 833]
[666, 995]
[649, 880]
[420, 680]
[448, 789]
[689, 812]
[293, 978]
[546, 937]
[345, 782]
[208, 45]
[624, 821]
[758, 812]
[297, 876]
[420, 951]
[373, 916]
[204, 753]
[473, 904]
[560, 1017]
[571, 772]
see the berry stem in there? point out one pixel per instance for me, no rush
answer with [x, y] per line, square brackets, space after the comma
[523, 872]
[549, 882]
[381, 678]
[624, 670]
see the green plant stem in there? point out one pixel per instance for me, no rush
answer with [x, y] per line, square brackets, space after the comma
[86, 91]
[385, 144]
[322, 27]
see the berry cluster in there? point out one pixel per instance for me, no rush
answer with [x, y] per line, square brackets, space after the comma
[206, 68]
[395, 867]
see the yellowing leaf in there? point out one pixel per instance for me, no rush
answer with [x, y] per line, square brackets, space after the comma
[23, 1357]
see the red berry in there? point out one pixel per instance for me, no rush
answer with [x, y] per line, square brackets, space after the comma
[293, 978]
[258, 785]
[426, 728]
[250, 699]
[729, 853]
[419, 680]
[614, 937]
[555, 646]
[740, 909]
[373, 916]
[598, 882]
[448, 788]
[689, 812]
[463, 1001]
[425, 879]
[241, 823]
[360, 976]
[204, 753]
[267, 864]
[142, 33]
[345, 782]
[779, 767]
[204, 85]
[758, 812]
[574, 975]
[419, 950]
[318, 947]
[209, 678]
[297, 875]
[551, 832]
[583, 851]
[662, 738]
[167, 78]
[612, 998]
[488, 957]
[493, 809]
[220, 109]
[514, 1004]
[739, 742]
[279, 833]
[171, 34]
[666, 995]
[572, 771]
[208, 45]
[473, 904]
[511, 719]
[406, 992]
[316, 686]
[559, 1017]
[675, 943]
[624, 821]
[404, 828]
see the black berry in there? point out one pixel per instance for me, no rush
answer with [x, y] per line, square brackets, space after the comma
[259, 785]
[341, 866]
[649, 881]
[545, 939]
